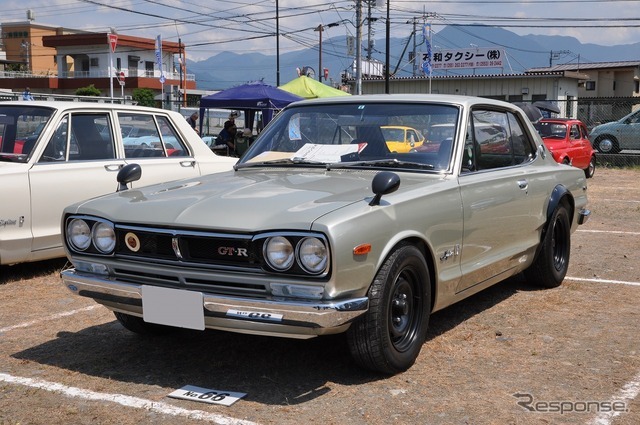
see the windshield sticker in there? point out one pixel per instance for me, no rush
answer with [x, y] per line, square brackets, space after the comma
[326, 153]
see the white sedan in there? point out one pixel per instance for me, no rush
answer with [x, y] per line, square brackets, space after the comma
[53, 154]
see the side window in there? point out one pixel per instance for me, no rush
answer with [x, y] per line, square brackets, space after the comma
[523, 149]
[495, 139]
[584, 132]
[174, 146]
[574, 133]
[57, 147]
[91, 137]
[469, 154]
[490, 131]
[146, 136]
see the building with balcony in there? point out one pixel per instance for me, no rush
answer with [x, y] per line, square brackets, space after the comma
[56, 60]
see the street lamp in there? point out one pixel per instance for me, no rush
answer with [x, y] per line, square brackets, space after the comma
[321, 28]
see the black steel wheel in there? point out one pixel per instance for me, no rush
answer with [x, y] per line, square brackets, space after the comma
[552, 262]
[388, 338]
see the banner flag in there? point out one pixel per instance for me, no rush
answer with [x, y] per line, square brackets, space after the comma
[159, 58]
[426, 58]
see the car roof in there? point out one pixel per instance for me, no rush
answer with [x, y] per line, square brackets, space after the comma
[409, 98]
[561, 120]
[62, 105]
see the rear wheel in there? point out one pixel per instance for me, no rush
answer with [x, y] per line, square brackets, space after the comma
[591, 169]
[607, 144]
[551, 264]
[388, 338]
[138, 325]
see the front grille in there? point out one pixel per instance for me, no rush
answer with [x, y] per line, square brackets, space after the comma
[178, 246]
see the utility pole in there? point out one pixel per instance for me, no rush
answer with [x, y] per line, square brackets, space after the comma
[387, 54]
[415, 48]
[277, 44]
[359, 46]
[369, 31]
[320, 28]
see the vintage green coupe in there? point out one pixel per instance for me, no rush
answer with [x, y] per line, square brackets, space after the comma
[320, 229]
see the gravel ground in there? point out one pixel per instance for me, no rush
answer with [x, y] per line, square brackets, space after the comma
[512, 354]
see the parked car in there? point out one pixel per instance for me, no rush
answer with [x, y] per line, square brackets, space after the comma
[568, 142]
[320, 229]
[53, 154]
[401, 139]
[613, 137]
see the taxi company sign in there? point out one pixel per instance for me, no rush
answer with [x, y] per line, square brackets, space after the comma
[481, 57]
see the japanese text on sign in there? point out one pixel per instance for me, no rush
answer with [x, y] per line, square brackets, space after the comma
[467, 58]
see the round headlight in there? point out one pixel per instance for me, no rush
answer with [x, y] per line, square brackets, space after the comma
[104, 237]
[278, 252]
[312, 254]
[78, 234]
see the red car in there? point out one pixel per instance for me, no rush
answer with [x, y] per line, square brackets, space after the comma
[568, 141]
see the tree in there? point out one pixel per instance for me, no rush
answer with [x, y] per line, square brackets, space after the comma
[143, 97]
[88, 91]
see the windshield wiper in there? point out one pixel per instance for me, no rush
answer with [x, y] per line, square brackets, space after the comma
[377, 162]
[295, 161]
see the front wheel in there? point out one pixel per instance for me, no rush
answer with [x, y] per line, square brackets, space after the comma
[388, 338]
[551, 264]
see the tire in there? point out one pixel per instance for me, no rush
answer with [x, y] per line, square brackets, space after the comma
[138, 325]
[591, 169]
[607, 144]
[388, 338]
[550, 266]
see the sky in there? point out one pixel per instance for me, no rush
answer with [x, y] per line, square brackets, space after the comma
[208, 27]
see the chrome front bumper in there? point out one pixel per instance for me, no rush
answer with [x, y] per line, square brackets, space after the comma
[298, 318]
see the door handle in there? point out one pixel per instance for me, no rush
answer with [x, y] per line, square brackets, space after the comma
[523, 184]
[113, 167]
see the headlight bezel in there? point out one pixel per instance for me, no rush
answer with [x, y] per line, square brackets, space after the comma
[94, 225]
[299, 266]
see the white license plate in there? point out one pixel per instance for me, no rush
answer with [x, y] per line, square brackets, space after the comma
[173, 307]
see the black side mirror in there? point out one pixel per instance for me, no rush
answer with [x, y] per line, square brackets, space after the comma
[127, 174]
[383, 183]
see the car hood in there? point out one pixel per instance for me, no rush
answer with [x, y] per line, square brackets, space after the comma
[243, 200]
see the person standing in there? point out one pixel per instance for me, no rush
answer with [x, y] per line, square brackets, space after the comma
[26, 94]
[193, 122]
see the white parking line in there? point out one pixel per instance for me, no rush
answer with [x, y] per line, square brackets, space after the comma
[619, 282]
[54, 317]
[128, 401]
[626, 394]
[613, 232]
[620, 200]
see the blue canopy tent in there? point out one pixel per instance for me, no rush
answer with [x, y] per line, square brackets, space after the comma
[250, 97]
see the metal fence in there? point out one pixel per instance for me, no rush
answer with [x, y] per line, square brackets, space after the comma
[595, 111]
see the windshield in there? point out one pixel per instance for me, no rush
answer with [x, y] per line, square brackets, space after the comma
[20, 129]
[551, 130]
[358, 135]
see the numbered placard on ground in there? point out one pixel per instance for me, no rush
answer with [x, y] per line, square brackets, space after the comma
[205, 395]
